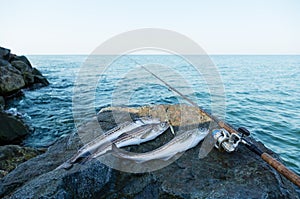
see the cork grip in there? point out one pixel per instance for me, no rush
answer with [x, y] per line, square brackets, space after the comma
[281, 169]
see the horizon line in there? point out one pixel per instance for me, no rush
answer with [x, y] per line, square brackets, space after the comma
[214, 54]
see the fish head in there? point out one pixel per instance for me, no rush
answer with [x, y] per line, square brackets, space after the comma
[200, 134]
[193, 137]
[163, 126]
[156, 130]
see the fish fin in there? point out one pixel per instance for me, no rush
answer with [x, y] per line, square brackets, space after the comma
[207, 145]
[140, 161]
[115, 148]
[171, 156]
[172, 129]
[120, 136]
[139, 121]
[167, 158]
[182, 141]
[115, 151]
[145, 135]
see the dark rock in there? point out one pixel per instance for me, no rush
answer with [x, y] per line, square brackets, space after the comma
[13, 155]
[16, 72]
[41, 80]
[28, 78]
[31, 75]
[12, 129]
[36, 72]
[38, 178]
[11, 80]
[22, 66]
[35, 78]
[26, 71]
[2, 103]
[22, 59]
[4, 53]
[11, 56]
[219, 175]
[77, 183]
[3, 62]
[14, 95]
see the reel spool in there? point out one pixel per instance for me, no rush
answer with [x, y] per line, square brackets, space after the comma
[229, 142]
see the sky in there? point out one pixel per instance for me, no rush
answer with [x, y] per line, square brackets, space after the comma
[219, 27]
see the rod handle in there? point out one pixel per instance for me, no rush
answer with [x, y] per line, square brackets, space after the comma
[293, 177]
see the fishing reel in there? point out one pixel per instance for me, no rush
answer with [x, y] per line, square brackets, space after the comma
[229, 142]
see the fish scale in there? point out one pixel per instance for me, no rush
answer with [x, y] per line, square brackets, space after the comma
[111, 135]
[137, 136]
[180, 143]
[94, 145]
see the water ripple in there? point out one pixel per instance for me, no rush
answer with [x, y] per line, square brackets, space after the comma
[262, 94]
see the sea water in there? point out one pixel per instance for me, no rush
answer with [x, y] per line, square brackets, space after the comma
[261, 93]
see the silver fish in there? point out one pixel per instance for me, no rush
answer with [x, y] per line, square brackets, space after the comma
[137, 136]
[179, 143]
[107, 137]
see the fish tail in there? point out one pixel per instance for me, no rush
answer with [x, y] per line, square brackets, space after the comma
[115, 150]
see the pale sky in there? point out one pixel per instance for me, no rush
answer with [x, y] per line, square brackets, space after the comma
[219, 27]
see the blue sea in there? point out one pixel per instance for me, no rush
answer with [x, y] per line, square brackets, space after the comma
[261, 93]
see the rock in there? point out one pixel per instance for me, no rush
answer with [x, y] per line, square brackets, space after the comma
[41, 80]
[12, 129]
[22, 59]
[3, 62]
[29, 78]
[2, 103]
[22, 66]
[36, 72]
[219, 175]
[4, 53]
[176, 114]
[13, 155]
[16, 72]
[11, 80]
[26, 70]
[31, 75]
[38, 178]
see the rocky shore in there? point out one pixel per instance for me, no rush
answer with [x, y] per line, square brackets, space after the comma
[16, 73]
[219, 175]
[30, 173]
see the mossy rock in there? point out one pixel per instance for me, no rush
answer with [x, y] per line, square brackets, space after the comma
[13, 155]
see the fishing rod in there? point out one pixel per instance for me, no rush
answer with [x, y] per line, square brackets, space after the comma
[230, 142]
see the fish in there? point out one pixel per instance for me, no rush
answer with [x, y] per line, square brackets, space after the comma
[107, 137]
[180, 143]
[135, 137]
